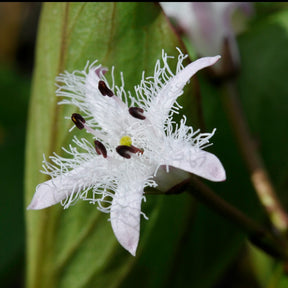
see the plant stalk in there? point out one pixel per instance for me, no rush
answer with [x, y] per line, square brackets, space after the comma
[267, 240]
[259, 175]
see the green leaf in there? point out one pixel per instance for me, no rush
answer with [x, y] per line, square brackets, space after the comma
[76, 247]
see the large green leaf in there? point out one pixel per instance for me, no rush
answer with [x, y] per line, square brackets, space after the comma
[76, 247]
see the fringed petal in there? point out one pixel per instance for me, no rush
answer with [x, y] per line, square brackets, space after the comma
[161, 105]
[68, 187]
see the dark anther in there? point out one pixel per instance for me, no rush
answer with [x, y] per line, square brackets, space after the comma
[78, 120]
[125, 151]
[104, 89]
[100, 148]
[137, 112]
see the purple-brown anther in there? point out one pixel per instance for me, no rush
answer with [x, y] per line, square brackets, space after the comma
[137, 112]
[100, 149]
[78, 120]
[105, 91]
[125, 151]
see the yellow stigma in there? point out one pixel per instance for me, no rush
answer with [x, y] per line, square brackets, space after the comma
[126, 140]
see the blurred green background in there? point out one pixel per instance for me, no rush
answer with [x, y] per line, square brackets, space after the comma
[18, 28]
[263, 48]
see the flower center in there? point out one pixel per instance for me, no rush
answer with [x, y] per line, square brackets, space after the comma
[126, 149]
[126, 141]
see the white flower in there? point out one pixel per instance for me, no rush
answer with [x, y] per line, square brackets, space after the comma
[130, 144]
[209, 24]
